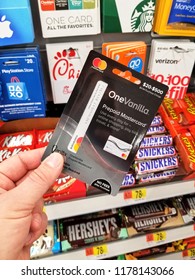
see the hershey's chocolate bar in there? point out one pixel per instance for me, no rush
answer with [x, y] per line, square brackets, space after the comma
[149, 210]
[84, 231]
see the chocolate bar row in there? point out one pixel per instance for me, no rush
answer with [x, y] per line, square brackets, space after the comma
[117, 224]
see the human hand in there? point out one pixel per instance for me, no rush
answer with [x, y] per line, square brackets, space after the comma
[23, 181]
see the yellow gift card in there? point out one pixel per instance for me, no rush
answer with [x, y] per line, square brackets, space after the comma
[174, 18]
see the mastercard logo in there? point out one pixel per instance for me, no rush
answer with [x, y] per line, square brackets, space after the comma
[124, 156]
[78, 144]
[99, 63]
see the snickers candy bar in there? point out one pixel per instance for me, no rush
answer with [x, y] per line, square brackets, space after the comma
[155, 152]
[129, 180]
[157, 120]
[157, 176]
[153, 130]
[157, 141]
[155, 165]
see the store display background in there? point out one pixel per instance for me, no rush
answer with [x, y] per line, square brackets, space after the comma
[55, 110]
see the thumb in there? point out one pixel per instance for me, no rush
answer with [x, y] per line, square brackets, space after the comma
[38, 181]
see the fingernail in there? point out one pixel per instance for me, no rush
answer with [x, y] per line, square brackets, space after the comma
[54, 160]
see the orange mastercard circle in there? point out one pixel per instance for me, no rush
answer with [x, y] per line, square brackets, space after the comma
[76, 147]
[102, 65]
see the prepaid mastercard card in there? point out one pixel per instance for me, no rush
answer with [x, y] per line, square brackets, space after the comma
[103, 123]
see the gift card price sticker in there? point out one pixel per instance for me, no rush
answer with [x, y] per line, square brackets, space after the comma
[156, 237]
[97, 251]
[135, 194]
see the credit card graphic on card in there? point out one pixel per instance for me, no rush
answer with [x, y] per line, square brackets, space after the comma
[117, 147]
[87, 116]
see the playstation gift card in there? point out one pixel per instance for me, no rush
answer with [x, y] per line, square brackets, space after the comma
[22, 89]
[15, 17]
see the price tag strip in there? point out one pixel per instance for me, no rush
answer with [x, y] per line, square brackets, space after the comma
[136, 194]
[97, 251]
[190, 253]
[156, 237]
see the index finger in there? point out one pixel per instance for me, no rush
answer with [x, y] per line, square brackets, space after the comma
[15, 167]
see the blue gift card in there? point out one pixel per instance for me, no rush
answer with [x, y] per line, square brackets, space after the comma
[16, 25]
[182, 11]
[22, 91]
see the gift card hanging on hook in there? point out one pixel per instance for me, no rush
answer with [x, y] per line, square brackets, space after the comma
[65, 64]
[102, 125]
[13, 30]
[69, 17]
[19, 69]
[179, 56]
[131, 54]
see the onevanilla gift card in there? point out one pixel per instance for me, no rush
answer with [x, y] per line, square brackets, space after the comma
[103, 123]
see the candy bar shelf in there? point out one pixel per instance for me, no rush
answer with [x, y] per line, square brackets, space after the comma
[95, 203]
[183, 255]
[116, 248]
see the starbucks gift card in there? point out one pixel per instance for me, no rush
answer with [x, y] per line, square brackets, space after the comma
[127, 16]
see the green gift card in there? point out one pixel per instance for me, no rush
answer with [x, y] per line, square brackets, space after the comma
[127, 15]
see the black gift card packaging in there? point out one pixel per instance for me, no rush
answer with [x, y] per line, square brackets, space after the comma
[104, 122]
